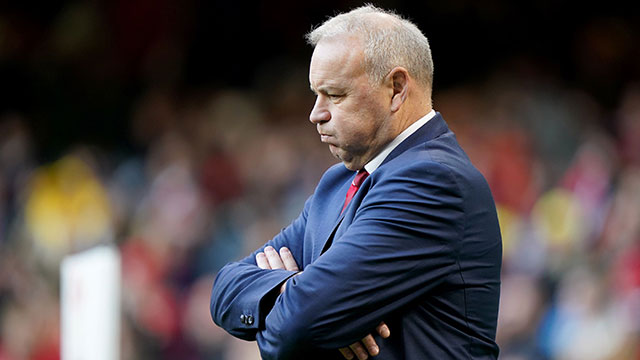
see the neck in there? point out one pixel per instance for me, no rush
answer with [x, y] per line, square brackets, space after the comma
[410, 114]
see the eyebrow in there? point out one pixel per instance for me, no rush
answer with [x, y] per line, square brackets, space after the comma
[325, 89]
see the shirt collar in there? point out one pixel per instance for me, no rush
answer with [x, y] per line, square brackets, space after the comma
[372, 165]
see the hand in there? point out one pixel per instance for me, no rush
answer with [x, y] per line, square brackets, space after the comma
[368, 343]
[270, 259]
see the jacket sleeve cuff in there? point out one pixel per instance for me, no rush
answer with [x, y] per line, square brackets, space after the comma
[256, 305]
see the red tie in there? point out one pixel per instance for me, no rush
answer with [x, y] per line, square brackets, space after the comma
[355, 185]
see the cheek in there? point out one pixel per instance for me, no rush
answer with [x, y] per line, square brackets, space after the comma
[349, 128]
[357, 123]
[356, 136]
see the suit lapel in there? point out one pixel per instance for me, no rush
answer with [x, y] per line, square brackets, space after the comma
[332, 218]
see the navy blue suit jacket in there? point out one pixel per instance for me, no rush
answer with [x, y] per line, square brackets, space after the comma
[418, 247]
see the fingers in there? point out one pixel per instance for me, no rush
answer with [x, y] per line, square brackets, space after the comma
[262, 261]
[347, 353]
[370, 344]
[273, 257]
[270, 259]
[359, 350]
[383, 330]
[288, 260]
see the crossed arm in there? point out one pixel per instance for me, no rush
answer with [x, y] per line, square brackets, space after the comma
[392, 254]
[271, 259]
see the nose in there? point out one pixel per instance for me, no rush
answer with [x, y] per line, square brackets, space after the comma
[319, 113]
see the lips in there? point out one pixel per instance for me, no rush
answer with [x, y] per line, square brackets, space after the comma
[325, 137]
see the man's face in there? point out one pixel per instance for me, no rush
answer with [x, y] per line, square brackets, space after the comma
[351, 115]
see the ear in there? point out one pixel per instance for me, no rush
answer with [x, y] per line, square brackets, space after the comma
[399, 78]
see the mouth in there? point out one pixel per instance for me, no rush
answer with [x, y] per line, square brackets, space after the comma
[325, 137]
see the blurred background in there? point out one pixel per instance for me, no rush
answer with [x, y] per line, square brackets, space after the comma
[179, 132]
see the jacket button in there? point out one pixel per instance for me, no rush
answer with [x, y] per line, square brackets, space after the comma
[249, 320]
[243, 318]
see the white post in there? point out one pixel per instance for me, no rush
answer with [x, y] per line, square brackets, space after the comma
[90, 305]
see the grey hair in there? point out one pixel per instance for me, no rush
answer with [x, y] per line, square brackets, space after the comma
[388, 41]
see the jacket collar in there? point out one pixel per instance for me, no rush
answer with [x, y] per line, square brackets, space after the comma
[429, 131]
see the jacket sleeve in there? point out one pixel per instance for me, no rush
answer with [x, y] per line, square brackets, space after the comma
[243, 293]
[401, 244]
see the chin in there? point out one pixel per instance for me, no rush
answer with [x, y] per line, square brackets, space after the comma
[352, 166]
[348, 161]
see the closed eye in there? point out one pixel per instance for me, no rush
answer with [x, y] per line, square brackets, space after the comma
[333, 96]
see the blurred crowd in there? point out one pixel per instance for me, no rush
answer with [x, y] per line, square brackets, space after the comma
[568, 195]
[218, 171]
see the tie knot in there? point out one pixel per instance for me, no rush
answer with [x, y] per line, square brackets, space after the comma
[360, 177]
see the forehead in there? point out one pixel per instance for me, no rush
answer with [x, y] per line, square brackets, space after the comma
[335, 61]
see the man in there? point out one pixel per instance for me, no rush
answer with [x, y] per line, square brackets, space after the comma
[397, 254]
